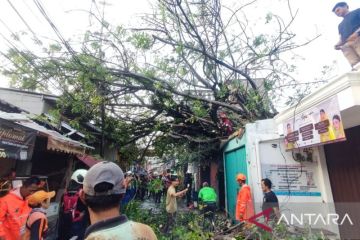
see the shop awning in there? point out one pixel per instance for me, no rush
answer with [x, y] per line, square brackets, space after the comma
[56, 141]
[88, 160]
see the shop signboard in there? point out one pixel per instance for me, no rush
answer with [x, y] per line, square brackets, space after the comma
[16, 141]
[322, 124]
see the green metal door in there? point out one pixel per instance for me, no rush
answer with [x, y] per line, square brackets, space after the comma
[235, 162]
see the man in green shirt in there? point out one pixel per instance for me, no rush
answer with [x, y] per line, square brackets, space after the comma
[207, 196]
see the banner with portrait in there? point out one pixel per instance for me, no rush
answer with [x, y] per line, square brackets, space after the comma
[322, 124]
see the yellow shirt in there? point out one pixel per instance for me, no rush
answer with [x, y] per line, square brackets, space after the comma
[171, 205]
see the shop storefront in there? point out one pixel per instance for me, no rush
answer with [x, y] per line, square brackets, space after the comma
[27, 148]
[16, 147]
[16, 142]
[311, 154]
[330, 119]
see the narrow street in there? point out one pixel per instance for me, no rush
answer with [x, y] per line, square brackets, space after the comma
[156, 208]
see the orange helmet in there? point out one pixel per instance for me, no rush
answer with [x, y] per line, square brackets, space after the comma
[241, 176]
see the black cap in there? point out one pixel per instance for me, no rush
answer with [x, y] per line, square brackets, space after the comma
[339, 4]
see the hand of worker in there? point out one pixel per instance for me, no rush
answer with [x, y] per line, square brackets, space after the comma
[2, 238]
[184, 192]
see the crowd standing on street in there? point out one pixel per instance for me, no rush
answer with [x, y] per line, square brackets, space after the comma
[156, 186]
[91, 206]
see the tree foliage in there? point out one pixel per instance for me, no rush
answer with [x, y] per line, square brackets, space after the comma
[168, 79]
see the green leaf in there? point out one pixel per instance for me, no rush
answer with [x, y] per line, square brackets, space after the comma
[268, 17]
[142, 40]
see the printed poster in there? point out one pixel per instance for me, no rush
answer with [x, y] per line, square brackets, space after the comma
[292, 179]
[319, 125]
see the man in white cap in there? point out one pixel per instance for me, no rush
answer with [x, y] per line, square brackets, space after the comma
[103, 190]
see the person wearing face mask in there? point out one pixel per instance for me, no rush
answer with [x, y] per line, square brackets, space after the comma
[14, 209]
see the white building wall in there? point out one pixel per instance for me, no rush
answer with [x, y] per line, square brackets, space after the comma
[31, 103]
[266, 148]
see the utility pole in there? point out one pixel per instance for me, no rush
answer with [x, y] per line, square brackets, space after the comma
[102, 87]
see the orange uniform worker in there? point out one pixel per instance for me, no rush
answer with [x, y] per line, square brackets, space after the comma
[37, 222]
[244, 205]
[14, 210]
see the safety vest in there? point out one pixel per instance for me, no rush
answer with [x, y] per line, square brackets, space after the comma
[35, 215]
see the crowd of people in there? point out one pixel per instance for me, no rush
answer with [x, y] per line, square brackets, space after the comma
[91, 205]
[143, 186]
[90, 208]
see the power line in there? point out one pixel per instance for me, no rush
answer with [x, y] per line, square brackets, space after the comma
[12, 46]
[57, 32]
[29, 8]
[13, 33]
[21, 54]
[35, 67]
[23, 20]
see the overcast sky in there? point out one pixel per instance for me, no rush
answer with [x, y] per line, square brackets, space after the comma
[314, 17]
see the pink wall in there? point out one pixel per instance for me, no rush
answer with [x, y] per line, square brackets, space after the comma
[213, 175]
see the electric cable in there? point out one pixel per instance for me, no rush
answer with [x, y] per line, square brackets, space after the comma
[289, 183]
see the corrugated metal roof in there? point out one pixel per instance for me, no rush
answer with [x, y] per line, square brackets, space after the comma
[8, 107]
[56, 141]
[88, 160]
[13, 116]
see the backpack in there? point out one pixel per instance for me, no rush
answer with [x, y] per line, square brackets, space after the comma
[70, 201]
